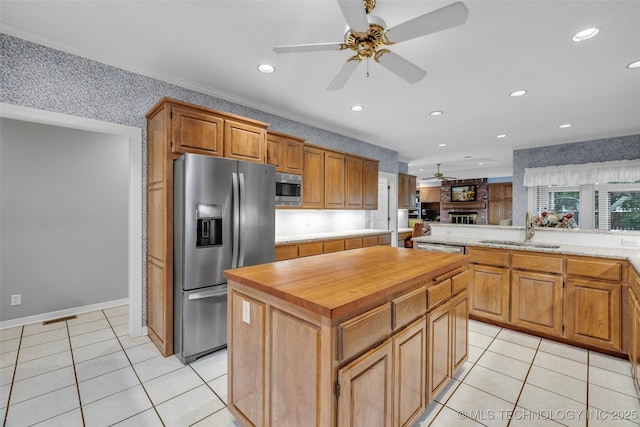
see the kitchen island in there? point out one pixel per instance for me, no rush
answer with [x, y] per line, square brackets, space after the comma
[361, 337]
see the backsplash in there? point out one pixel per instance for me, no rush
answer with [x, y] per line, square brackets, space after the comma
[296, 222]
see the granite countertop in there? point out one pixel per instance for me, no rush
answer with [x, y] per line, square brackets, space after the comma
[299, 238]
[632, 255]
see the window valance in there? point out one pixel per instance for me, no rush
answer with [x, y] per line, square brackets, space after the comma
[587, 173]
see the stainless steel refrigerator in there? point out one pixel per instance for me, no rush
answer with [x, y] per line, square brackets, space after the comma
[224, 217]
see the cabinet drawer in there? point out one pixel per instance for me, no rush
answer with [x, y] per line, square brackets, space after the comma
[333, 246]
[598, 269]
[361, 332]
[541, 263]
[489, 257]
[286, 252]
[306, 249]
[369, 241]
[384, 239]
[460, 282]
[354, 243]
[409, 306]
[438, 293]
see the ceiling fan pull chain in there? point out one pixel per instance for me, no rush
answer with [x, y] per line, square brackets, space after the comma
[367, 67]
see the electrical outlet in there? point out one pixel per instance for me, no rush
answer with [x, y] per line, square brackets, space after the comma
[16, 299]
[630, 242]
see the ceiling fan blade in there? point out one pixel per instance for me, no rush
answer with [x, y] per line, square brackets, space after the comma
[343, 75]
[400, 66]
[355, 15]
[449, 16]
[314, 47]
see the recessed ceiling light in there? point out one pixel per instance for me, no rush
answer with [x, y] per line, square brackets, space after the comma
[357, 108]
[634, 65]
[442, 145]
[266, 68]
[517, 93]
[502, 135]
[565, 125]
[480, 164]
[585, 34]
[435, 113]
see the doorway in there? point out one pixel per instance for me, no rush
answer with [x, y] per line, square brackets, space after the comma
[135, 218]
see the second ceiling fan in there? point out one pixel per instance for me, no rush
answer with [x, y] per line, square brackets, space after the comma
[366, 34]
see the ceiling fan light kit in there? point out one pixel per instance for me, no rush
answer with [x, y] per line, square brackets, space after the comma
[366, 35]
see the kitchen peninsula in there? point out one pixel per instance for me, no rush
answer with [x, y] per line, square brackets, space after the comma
[346, 338]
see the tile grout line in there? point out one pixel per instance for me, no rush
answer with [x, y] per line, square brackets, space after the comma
[75, 374]
[444, 404]
[13, 377]
[135, 373]
[524, 381]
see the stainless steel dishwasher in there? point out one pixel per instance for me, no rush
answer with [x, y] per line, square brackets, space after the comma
[440, 247]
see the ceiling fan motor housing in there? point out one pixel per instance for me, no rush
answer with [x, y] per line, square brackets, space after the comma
[366, 44]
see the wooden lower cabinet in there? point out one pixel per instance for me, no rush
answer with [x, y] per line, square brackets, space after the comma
[594, 313]
[536, 301]
[460, 330]
[490, 292]
[438, 349]
[410, 373]
[297, 250]
[633, 335]
[366, 389]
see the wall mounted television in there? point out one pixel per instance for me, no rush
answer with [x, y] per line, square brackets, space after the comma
[463, 193]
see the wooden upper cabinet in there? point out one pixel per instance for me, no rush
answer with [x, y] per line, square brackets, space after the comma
[196, 131]
[370, 184]
[245, 141]
[285, 152]
[313, 180]
[430, 194]
[406, 191]
[499, 202]
[353, 182]
[334, 180]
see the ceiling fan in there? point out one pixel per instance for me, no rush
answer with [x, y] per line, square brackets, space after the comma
[365, 34]
[439, 176]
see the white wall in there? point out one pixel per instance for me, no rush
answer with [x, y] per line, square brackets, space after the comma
[63, 217]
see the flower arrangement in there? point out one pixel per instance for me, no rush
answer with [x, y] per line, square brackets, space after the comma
[551, 219]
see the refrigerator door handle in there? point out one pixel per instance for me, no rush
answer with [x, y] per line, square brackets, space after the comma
[208, 294]
[242, 221]
[236, 220]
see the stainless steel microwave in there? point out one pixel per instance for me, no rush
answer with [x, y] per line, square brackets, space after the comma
[288, 189]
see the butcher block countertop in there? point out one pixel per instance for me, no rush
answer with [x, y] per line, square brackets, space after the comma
[334, 285]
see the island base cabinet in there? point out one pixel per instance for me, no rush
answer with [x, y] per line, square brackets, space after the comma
[366, 389]
[438, 350]
[459, 330]
[410, 373]
[594, 313]
[281, 376]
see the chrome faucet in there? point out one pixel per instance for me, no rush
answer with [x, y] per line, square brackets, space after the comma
[530, 229]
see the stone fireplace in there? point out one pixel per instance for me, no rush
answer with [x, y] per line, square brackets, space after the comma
[463, 217]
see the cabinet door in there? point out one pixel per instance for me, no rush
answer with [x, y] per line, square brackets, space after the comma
[411, 192]
[370, 184]
[410, 372]
[353, 182]
[285, 153]
[195, 131]
[334, 180]
[636, 340]
[366, 392]
[403, 188]
[536, 302]
[459, 330]
[438, 350]
[313, 178]
[244, 141]
[490, 292]
[594, 313]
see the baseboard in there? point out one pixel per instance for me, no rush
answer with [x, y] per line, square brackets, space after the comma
[62, 313]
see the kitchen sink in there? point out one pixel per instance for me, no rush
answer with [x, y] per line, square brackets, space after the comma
[516, 243]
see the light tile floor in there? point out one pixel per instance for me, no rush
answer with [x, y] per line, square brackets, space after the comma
[89, 372]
